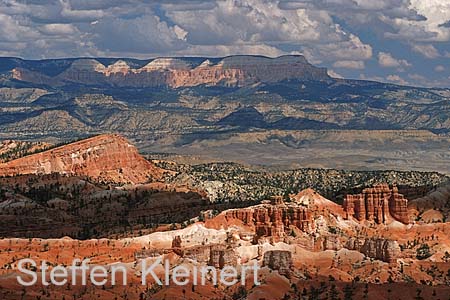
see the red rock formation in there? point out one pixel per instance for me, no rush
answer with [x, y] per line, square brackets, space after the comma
[377, 205]
[273, 220]
[176, 242]
[106, 157]
[382, 249]
[221, 256]
[279, 260]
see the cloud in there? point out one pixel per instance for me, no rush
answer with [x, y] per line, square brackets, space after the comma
[396, 79]
[428, 51]
[189, 6]
[446, 24]
[439, 68]
[417, 77]
[12, 30]
[387, 61]
[156, 28]
[349, 64]
[391, 8]
[334, 74]
[146, 33]
[57, 29]
[226, 50]
[330, 33]
[79, 15]
[257, 22]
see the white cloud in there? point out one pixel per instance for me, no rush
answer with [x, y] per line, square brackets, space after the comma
[325, 31]
[428, 51]
[259, 22]
[386, 60]
[58, 29]
[143, 34]
[396, 79]
[226, 50]
[439, 68]
[417, 77]
[408, 20]
[349, 64]
[79, 15]
[12, 30]
[334, 74]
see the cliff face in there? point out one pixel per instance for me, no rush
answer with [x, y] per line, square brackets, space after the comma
[382, 249]
[273, 220]
[279, 260]
[378, 204]
[177, 72]
[106, 157]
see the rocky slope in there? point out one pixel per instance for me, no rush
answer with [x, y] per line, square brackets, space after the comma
[109, 158]
[10, 150]
[433, 207]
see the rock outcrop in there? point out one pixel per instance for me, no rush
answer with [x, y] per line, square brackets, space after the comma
[178, 72]
[381, 249]
[216, 255]
[106, 157]
[378, 204]
[280, 260]
[273, 219]
[221, 256]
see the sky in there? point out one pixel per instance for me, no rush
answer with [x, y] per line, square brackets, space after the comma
[399, 41]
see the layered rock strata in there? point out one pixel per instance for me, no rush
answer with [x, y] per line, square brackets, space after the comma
[378, 204]
[273, 220]
[381, 249]
[106, 157]
[280, 260]
[177, 72]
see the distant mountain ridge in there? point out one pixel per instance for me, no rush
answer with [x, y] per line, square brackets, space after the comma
[229, 104]
[232, 71]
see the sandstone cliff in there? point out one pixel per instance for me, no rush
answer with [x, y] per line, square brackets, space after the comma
[273, 220]
[378, 204]
[106, 157]
[280, 260]
[382, 249]
[177, 72]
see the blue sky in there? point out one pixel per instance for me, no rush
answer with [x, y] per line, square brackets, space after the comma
[400, 41]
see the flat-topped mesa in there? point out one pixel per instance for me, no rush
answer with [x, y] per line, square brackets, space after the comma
[264, 69]
[232, 71]
[378, 204]
[110, 158]
[273, 219]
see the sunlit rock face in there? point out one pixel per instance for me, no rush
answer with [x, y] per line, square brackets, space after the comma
[177, 72]
[106, 157]
[379, 204]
